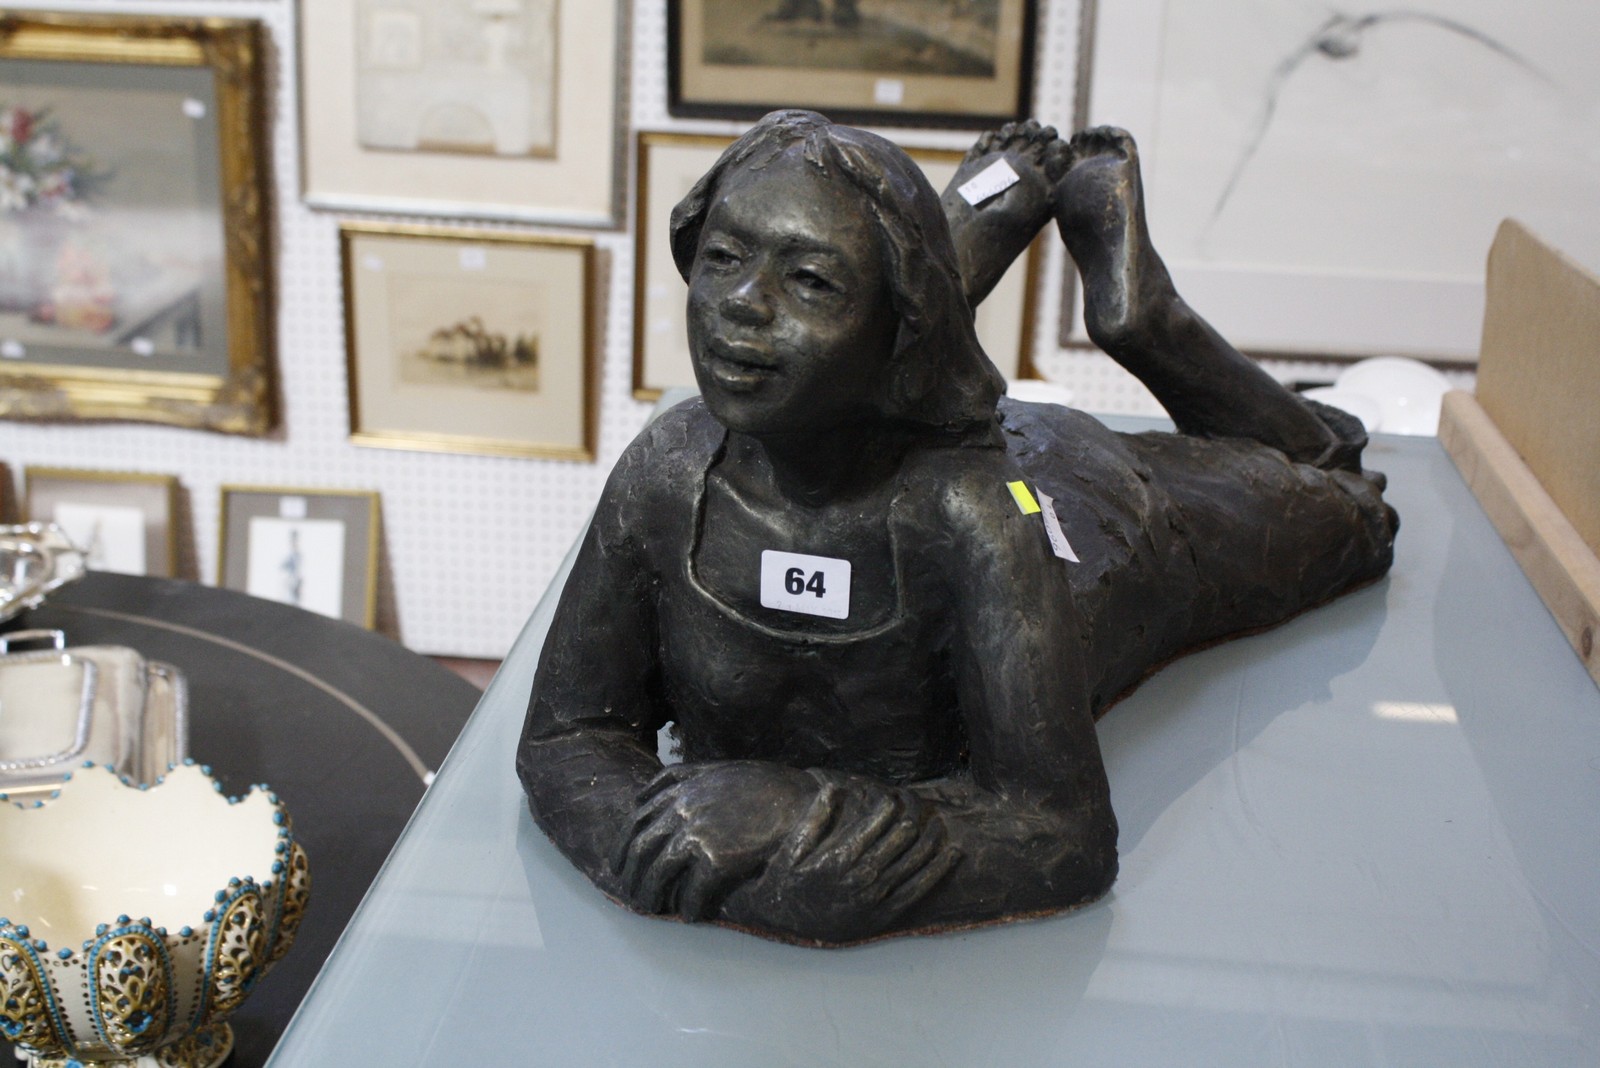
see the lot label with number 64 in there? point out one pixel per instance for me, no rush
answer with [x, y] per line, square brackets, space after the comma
[811, 585]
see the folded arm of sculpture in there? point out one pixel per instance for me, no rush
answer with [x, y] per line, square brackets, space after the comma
[881, 679]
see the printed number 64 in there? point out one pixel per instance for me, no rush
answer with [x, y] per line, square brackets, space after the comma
[795, 581]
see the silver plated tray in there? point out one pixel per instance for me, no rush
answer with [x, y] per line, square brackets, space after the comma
[35, 559]
[105, 704]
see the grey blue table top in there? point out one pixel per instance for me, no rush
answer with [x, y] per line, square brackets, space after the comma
[1368, 837]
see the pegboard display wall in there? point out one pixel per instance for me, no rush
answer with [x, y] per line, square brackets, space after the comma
[470, 542]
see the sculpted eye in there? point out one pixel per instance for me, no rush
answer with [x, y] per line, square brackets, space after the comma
[813, 281]
[719, 256]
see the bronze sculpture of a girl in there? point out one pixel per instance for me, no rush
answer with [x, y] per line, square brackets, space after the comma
[831, 575]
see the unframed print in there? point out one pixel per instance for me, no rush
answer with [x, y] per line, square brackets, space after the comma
[111, 536]
[298, 562]
[495, 347]
[470, 76]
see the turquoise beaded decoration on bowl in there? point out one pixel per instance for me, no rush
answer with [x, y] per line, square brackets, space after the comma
[137, 919]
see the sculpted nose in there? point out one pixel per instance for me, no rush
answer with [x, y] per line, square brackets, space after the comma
[746, 303]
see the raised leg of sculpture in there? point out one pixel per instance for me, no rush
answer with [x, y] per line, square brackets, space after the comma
[990, 236]
[1135, 315]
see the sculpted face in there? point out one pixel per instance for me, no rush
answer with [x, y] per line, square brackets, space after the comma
[790, 321]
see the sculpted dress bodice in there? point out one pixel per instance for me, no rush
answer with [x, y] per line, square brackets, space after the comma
[888, 656]
[743, 680]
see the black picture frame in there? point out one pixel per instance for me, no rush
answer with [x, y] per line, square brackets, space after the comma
[850, 95]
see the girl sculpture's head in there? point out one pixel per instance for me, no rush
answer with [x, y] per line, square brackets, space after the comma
[868, 202]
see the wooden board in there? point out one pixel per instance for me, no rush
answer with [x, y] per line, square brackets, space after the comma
[1539, 370]
[1555, 557]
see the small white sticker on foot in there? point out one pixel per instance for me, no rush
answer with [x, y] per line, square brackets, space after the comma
[993, 180]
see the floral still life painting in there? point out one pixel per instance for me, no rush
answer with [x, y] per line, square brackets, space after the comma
[134, 238]
[46, 186]
[103, 240]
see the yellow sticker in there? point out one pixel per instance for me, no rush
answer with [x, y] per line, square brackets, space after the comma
[1024, 499]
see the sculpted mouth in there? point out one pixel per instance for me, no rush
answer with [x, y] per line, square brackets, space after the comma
[740, 367]
[743, 357]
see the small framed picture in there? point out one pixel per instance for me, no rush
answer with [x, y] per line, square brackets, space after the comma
[912, 62]
[134, 245]
[316, 549]
[488, 109]
[669, 165]
[468, 341]
[123, 521]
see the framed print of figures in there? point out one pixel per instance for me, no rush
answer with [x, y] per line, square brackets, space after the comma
[134, 282]
[669, 165]
[913, 62]
[1325, 184]
[469, 341]
[122, 521]
[496, 109]
[312, 548]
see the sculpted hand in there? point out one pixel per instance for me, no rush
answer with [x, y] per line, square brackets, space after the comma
[861, 856]
[702, 829]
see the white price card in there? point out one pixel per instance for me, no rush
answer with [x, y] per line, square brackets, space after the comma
[890, 92]
[1052, 530]
[811, 585]
[993, 180]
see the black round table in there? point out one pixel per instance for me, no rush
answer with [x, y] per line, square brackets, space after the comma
[344, 725]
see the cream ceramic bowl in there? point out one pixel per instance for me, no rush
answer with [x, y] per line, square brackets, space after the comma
[135, 920]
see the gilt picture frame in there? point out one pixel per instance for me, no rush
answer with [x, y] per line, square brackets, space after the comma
[134, 275]
[471, 341]
[122, 520]
[670, 164]
[313, 548]
[463, 109]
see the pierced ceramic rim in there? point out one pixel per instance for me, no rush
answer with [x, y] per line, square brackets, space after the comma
[236, 886]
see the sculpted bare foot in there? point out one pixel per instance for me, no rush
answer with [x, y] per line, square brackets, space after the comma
[1100, 212]
[1134, 313]
[990, 235]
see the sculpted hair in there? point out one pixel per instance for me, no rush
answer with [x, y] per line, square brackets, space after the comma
[940, 375]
